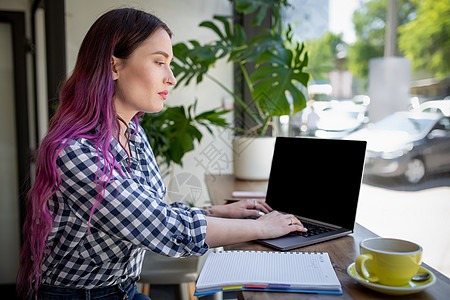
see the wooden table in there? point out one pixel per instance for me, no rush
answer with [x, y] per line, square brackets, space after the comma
[342, 251]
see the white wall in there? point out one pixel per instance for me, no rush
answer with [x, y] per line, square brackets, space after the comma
[214, 153]
[9, 186]
[25, 7]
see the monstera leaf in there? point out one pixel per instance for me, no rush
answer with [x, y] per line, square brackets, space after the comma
[277, 73]
[262, 6]
[277, 83]
[193, 60]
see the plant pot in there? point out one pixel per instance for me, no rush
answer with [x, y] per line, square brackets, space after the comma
[252, 157]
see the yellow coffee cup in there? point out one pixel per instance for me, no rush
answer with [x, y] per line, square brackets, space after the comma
[387, 261]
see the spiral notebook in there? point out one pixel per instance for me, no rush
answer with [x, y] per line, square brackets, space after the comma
[297, 272]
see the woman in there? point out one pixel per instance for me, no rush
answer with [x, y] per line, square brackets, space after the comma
[98, 199]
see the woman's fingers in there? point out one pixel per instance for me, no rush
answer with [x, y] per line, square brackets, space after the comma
[277, 224]
[259, 204]
[293, 221]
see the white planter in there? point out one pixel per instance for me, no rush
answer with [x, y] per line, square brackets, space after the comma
[252, 157]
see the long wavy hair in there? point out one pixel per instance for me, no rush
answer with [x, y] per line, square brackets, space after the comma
[85, 110]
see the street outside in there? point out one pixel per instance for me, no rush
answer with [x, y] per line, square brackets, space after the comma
[419, 213]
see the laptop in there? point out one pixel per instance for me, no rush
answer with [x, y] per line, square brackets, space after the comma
[318, 181]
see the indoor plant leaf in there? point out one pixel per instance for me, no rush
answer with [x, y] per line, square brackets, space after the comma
[279, 62]
[173, 132]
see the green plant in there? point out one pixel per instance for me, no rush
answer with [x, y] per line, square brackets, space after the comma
[173, 131]
[279, 62]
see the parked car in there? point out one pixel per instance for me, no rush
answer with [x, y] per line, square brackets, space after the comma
[340, 118]
[407, 144]
[437, 106]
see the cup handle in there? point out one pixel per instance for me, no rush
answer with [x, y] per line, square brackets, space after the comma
[360, 265]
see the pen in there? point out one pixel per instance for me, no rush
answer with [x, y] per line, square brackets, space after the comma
[237, 287]
[279, 286]
[256, 286]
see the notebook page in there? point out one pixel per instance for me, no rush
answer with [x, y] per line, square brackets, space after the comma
[297, 269]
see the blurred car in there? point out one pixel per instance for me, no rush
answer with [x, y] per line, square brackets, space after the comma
[436, 106]
[407, 144]
[340, 118]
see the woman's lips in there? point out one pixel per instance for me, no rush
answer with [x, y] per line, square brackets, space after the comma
[164, 94]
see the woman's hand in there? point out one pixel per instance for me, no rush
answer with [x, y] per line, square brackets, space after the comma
[226, 231]
[276, 224]
[238, 210]
[247, 208]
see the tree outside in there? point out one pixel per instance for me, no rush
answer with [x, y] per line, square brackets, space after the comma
[423, 37]
[426, 39]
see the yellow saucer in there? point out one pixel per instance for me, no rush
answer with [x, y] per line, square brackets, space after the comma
[410, 288]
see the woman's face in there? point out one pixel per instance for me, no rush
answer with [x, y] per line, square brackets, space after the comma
[142, 80]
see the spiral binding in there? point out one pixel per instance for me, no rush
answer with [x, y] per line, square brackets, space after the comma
[259, 251]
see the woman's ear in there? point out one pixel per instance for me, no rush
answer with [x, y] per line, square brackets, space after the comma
[115, 67]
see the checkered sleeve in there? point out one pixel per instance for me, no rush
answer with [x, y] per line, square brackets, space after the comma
[131, 209]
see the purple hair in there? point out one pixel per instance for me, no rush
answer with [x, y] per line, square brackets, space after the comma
[85, 110]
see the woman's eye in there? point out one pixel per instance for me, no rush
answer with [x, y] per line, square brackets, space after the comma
[160, 63]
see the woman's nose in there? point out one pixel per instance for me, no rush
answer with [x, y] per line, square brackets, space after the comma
[171, 80]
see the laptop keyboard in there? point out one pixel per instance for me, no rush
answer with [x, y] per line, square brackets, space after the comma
[313, 229]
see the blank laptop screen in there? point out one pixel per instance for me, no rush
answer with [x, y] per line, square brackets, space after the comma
[317, 178]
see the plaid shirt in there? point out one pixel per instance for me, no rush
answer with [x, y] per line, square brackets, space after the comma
[132, 217]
